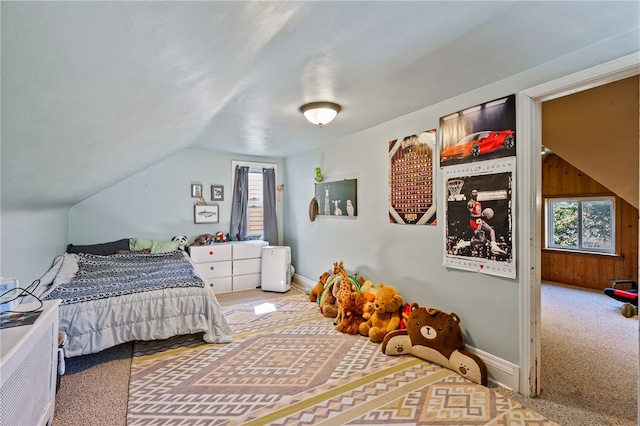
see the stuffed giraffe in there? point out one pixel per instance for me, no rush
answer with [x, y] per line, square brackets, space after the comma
[345, 289]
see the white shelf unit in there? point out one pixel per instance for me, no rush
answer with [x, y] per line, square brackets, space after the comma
[28, 368]
[231, 266]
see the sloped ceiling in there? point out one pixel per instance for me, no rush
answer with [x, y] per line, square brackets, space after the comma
[597, 132]
[93, 92]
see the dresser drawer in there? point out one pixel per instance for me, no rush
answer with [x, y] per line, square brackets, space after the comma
[214, 269]
[210, 253]
[246, 282]
[248, 249]
[220, 285]
[246, 266]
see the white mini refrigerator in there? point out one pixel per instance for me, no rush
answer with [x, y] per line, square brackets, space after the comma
[276, 269]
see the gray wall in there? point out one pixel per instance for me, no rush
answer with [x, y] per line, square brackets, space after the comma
[156, 203]
[408, 257]
[31, 239]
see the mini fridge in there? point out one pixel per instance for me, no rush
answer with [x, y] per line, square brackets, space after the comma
[276, 269]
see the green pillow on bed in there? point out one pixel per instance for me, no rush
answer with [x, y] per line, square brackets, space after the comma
[137, 244]
[164, 246]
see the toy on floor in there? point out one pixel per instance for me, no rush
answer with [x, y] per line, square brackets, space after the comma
[625, 291]
[386, 315]
[436, 336]
[342, 289]
[327, 301]
[404, 315]
[369, 290]
[353, 307]
[316, 292]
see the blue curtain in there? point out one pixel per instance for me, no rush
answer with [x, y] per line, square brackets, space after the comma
[270, 220]
[239, 204]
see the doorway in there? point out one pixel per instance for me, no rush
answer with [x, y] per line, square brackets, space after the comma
[530, 202]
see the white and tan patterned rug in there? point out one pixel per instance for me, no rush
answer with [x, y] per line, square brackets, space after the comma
[288, 366]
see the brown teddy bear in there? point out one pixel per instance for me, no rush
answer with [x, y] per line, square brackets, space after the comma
[386, 314]
[353, 306]
[329, 306]
[316, 292]
[437, 337]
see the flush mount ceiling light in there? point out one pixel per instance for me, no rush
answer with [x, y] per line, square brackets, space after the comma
[320, 113]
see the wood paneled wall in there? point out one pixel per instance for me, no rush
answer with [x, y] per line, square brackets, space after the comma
[594, 271]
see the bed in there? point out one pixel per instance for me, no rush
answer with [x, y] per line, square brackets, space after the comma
[108, 299]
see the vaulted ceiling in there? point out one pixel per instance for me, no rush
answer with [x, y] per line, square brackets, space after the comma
[93, 92]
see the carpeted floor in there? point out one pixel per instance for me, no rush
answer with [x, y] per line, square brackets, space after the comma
[288, 365]
[94, 391]
[589, 360]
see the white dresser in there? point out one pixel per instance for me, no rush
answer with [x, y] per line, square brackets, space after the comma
[231, 266]
[28, 368]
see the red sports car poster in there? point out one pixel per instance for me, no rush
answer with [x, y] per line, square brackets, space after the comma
[411, 179]
[480, 211]
[483, 132]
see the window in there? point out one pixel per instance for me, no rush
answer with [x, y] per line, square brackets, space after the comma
[581, 224]
[254, 206]
[255, 221]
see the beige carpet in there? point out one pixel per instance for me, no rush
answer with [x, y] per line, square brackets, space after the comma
[94, 390]
[589, 360]
[289, 366]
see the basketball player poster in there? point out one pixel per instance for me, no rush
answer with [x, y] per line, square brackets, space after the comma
[480, 211]
[411, 179]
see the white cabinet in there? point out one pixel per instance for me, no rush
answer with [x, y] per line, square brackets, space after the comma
[28, 368]
[214, 264]
[229, 266]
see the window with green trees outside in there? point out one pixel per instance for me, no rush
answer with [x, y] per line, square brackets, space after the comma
[581, 224]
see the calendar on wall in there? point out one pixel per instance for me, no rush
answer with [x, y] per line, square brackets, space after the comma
[412, 199]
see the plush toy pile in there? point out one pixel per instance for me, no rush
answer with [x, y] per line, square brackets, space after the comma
[379, 313]
[339, 295]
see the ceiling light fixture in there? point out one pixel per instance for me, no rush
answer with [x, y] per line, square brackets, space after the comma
[320, 113]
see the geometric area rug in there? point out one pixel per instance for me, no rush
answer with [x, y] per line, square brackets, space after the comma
[288, 365]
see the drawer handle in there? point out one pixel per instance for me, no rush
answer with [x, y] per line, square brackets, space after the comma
[211, 268]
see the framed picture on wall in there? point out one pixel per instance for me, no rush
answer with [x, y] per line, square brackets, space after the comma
[482, 132]
[204, 213]
[217, 193]
[196, 190]
[337, 198]
[412, 195]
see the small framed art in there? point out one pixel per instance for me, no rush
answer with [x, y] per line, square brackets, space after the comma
[203, 213]
[196, 190]
[217, 193]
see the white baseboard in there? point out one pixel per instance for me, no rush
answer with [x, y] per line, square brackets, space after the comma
[499, 371]
[306, 283]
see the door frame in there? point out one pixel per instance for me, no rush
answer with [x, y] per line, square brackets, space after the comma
[529, 163]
